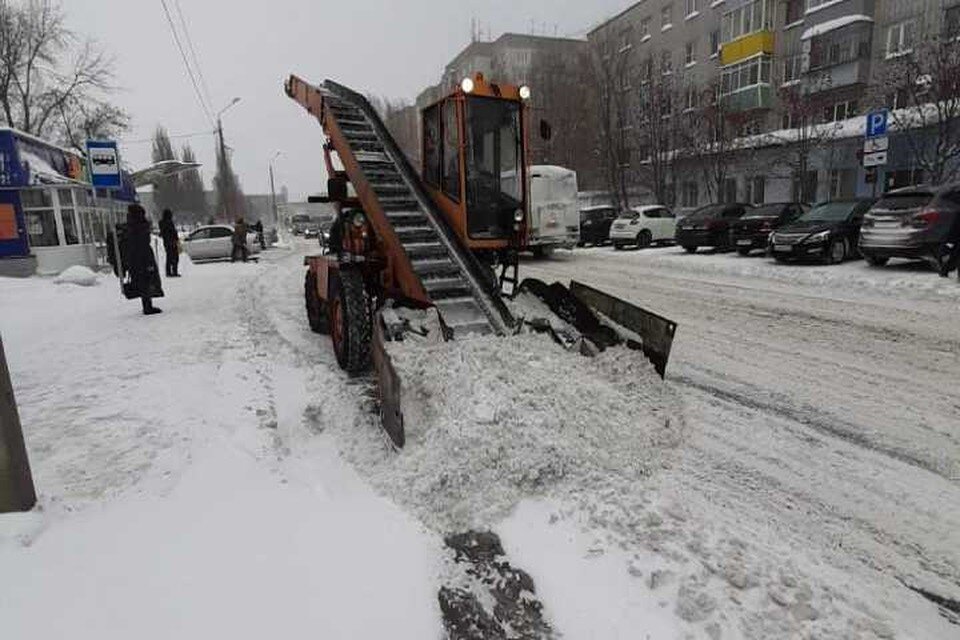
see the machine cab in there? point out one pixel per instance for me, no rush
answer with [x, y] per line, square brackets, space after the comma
[474, 162]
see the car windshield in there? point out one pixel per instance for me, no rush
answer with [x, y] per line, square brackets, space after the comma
[765, 211]
[829, 212]
[704, 213]
[904, 201]
[630, 214]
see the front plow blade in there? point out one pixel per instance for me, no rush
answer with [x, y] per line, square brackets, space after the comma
[654, 331]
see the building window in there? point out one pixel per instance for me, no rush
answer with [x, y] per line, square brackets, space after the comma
[646, 70]
[792, 68]
[756, 189]
[793, 11]
[751, 73]
[691, 53]
[715, 42]
[40, 217]
[832, 50]
[729, 192]
[900, 38]
[689, 194]
[749, 18]
[842, 183]
[951, 22]
[841, 111]
[645, 29]
[666, 63]
[666, 17]
[690, 102]
[693, 7]
[626, 39]
[899, 99]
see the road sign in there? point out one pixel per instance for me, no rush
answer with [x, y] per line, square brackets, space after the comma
[875, 159]
[873, 145]
[877, 123]
[104, 161]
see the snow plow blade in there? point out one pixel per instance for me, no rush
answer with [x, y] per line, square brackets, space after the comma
[388, 384]
[607, 321]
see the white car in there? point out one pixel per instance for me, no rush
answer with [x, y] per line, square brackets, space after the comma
[644, 225]
[215, 242]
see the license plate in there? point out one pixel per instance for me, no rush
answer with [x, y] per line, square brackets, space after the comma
[783, 248]
[744, 243]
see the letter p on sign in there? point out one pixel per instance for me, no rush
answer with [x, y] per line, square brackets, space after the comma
[877, 124]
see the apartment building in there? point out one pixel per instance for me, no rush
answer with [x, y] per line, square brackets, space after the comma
[752, 51]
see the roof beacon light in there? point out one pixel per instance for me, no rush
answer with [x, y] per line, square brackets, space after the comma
[467, 85]
[525, 92]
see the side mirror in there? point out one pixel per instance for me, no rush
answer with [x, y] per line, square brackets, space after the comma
[546, 131]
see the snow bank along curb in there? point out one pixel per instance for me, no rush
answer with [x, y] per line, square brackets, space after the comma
[77, 275]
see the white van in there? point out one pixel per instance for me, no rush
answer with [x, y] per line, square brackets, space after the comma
[554, 212]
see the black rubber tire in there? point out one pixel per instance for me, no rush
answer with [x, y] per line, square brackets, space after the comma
[316, 310]
[744, 251]
[617, 246]
[876, 261]
[832, 257]
[644, 239]
[352, 339]
[689, 249]
[780, 259]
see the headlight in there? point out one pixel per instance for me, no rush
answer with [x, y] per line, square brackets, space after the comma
[467, 85]
[525, 92]
[823, 236]
[518, 215]
[358, 220]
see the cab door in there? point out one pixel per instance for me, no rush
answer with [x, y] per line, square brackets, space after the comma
[13, 228]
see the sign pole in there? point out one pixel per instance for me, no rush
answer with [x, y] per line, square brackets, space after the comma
[17, 492]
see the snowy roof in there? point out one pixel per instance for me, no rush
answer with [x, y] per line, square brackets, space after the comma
[833, 25]
[550, 171]
[33, 138]
[41, 171]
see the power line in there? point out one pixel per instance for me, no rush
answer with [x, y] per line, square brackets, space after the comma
[178, 136]
[186, 62]
[193, 53]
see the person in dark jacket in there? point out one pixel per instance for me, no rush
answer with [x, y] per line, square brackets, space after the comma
[952, 261]
[171, 243]
[239, 241]
[258, 229]
[139, 260]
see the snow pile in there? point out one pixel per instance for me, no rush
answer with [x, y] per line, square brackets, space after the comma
[78, 275]
[490, 421]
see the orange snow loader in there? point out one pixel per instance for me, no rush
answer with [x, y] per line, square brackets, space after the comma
[447, 237]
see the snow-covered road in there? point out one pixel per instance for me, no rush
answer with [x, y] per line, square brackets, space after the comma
[194, 480]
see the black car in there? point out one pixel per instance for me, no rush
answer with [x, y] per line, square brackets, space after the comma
[828, 233]
[753, 230]
[595, 224]
[914, 222]
[709, 226]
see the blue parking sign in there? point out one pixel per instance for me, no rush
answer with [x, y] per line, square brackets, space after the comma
[877, 123]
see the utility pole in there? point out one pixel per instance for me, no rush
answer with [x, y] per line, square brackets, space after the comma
[17, 492]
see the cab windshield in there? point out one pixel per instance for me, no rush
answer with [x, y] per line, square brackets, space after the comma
[494, 169]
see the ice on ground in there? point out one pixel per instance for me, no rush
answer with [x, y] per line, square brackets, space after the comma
[77, 275]
[490, 421]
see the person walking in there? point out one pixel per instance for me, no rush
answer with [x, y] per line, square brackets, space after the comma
[258, 229]
[139, 261]
[951, 262]
[171, 244]
[239, 241]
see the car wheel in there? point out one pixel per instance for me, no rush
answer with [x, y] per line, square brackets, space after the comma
[350, 326]
[743, 251]
[875, 261]
[781, 259]
[837, 251]
[689, 249]
[617, 246]
[644, 239]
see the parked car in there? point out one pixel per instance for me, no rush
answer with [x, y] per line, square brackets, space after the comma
[827, 233]
[215, 242]
[595, 224]
[298, 223]
[642, 226]
[753, 230]
[913, 222]
[709, 226]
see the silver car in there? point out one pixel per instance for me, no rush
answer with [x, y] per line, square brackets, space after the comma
[912, 222]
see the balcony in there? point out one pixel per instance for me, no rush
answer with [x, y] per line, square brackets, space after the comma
[749, 99]
[845, 74]
[747, 46]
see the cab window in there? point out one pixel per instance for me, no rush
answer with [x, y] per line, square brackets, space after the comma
[451, 150]
[431, 146]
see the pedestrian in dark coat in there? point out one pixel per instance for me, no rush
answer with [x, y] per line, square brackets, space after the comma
[952, 260]
[139, 261]
[171, 243]
[258, 229]
[239, 241]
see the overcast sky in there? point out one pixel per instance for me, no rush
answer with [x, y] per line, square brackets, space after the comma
[246, 49]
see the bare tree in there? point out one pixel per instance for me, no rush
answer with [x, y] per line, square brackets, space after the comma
[804, 134]
[611, 84]
[657, 125]
[41, 93]
[927, 80]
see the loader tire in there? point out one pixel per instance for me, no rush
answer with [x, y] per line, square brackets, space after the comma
[350, 325]
[316, 310]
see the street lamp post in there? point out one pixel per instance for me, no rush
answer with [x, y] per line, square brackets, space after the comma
[223, 156]
[273, 191]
